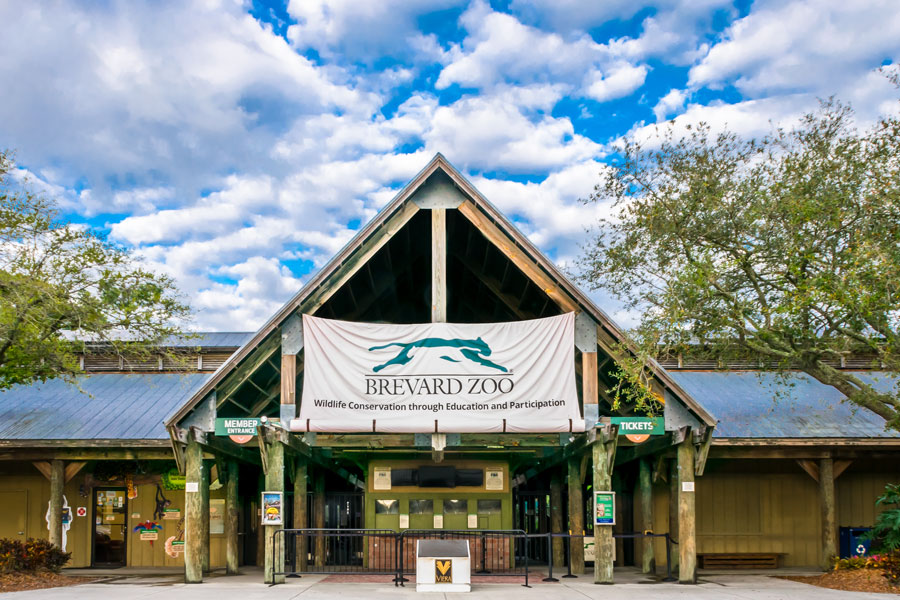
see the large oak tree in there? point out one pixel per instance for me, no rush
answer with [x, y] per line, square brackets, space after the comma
[63, 285]
[784, 248]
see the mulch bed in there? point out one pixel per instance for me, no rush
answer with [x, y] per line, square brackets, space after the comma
[859, 580]
[17, 582]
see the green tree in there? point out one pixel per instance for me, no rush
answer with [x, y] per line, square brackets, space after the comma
[62, 284]
[785, 248]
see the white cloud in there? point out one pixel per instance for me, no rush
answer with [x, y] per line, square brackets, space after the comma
[821, 46]
[621, 81]
[670, 103]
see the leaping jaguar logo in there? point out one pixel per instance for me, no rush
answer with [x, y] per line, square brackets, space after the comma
[475, 350]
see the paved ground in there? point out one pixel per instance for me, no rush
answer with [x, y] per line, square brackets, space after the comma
[166, 585]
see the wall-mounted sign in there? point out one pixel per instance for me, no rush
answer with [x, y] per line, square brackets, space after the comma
[272, 506]
[687, 486]
[217, 515]
[404, 521]
[172, 514]
[192, 486]
[446, 377]
[174, 546]
[639, 429]
[472, 522]
[604, 508]
[382, 478]
[493, 479]
[438, 521]
[149, 535]
[81, 511]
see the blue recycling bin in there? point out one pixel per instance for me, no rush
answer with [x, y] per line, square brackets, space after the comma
[850, 542]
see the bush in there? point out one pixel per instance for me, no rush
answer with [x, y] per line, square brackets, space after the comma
[31, 555]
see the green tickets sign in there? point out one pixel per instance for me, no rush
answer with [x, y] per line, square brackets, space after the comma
[640, 425]
[237, 425]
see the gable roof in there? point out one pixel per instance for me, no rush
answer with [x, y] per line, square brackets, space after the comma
[108, 406]
[381, 225]
[753, 404]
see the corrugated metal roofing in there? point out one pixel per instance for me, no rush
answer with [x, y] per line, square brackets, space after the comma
[211, 339]
[750, 404]
[108, 406]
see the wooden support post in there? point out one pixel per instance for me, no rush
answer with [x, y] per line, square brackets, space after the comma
[193, 513]
[274, 558]
[589, 382]
[673, 512]
[576, 515]
[687, 514]
[604, 543]
[438, 265]
[231, 519]
[556, 519]
[645, 492]
[829, 513]
[204, 517]
[57, 475]
[288, 388]
[319, 516]
[300, 510]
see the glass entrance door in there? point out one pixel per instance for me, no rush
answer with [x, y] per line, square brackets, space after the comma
[110, 527]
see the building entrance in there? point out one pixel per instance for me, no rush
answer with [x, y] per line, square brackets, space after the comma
[110, 534]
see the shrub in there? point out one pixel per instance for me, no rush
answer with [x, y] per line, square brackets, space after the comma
[31, 555]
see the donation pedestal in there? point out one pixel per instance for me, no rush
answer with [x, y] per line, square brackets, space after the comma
[443, 566]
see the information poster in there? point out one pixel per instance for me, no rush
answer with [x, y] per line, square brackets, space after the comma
[272, 508]
[604, 508]
[493, 480]
[382, 479]
[217, 515]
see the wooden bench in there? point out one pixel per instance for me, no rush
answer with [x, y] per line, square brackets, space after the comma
[739, 560]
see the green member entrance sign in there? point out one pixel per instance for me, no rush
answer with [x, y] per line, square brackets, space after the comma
[239, 429]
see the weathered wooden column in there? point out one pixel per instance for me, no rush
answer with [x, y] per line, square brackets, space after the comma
[556, 519]
[57, 481]
[576, 516]
[604, 544]
[231, 519]
[687, 514]
[645, 492]
[274, 558]
[438, 265]
[300, 511]
[673, 512]
[193, 512]
[319, 516]
[829, 513]
[204, 519]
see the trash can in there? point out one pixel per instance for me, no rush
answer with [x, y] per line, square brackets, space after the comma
[850, 542]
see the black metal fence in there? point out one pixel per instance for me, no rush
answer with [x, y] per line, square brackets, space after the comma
[498, 553]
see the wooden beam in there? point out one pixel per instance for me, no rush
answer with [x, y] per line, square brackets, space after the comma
[604, 544]
[645, 496]
[828, 511]
[236, 379]
[702, 442]
[57, 481]
[673, 511]
[556, 517]
[204, 517]
[193, 544]
[231, 519]
[687, 512]
[811, 468]
[72, 470]
[274, 556]
[515, 254]
[509, 300]
[288, 386]
[319, 516]
[301, 511]
[589, 381]
[576, 515]
[438, 265]
[44, 468]
[840, 466]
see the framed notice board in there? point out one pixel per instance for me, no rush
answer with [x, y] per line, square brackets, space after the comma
[604, 508]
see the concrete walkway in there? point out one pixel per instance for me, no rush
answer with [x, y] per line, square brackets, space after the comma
[631, 584]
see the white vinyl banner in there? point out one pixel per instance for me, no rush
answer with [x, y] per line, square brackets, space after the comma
[439, 377]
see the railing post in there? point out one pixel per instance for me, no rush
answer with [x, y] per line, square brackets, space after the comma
[669, 559]
[569, 557]
[550, 576]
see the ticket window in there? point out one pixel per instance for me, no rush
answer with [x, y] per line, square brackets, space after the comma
[489, 514]
[421, 513]
[387, 514]
[456, 514]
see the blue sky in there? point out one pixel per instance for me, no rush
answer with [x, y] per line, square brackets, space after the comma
[236, 146]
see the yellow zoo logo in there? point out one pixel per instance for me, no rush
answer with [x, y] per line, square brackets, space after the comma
[443, 571]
